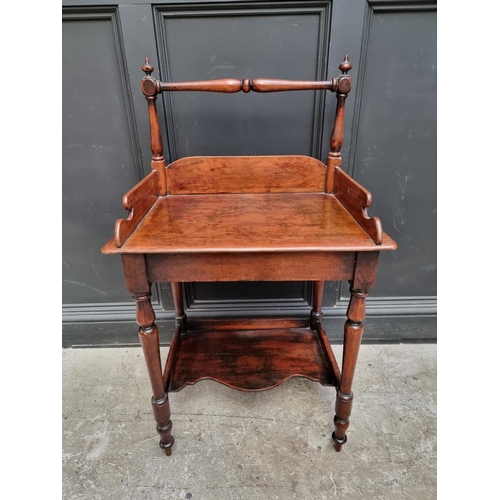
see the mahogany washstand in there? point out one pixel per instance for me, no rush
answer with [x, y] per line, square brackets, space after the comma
[246, 218]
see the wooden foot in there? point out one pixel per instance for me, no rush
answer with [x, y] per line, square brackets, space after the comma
[353, 332]
[343, 406]
[338, 443]
[161, 410]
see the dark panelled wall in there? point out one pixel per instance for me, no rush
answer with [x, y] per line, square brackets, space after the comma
[389, 146]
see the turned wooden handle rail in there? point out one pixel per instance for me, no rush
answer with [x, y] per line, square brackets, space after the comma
[340, 85]
[232, 85]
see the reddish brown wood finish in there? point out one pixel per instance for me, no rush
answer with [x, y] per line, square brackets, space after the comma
[365, 270]
[138, 201]
[353, 332]
[138, 284]
[271, 85]
[248, 324]
[231, 85]
[291, 222]
[254, 266]
[236, 358]
[344, 84]
[327, 351]
[356, 200]
[364, 280]
[343, 87]
[173, 354]
[316, 314]
[226, 85]
[266, 218]
[246, 174]
[149, 89]
[180, 315]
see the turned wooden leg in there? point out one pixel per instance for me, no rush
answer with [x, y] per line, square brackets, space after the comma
[148, 334]
[134, 268]
[316, 314]
[180, 315]
[353, 331]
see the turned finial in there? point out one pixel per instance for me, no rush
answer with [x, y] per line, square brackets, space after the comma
[147, 68]
[148, 82]
[345, 65]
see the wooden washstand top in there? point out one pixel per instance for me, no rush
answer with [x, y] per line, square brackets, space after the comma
[240, 204]
[285, 222]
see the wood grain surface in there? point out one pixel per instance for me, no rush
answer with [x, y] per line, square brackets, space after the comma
[246, 174]
[249, 223]
[249, 360]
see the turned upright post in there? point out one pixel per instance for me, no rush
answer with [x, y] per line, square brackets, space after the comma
[342, 88]
[150, 90]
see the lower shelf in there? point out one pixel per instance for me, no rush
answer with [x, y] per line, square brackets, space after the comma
[249, 360]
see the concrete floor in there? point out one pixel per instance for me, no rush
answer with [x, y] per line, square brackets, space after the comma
[233, 445]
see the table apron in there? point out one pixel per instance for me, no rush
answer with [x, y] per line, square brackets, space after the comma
[241, 266]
